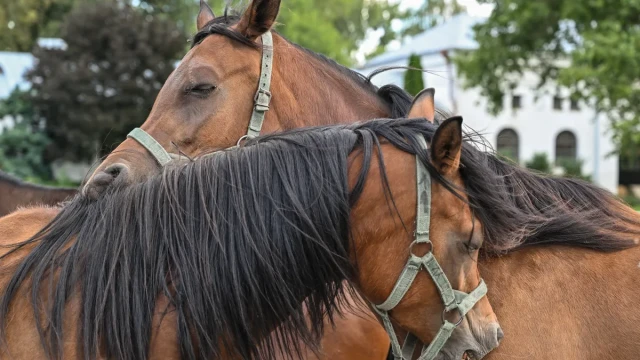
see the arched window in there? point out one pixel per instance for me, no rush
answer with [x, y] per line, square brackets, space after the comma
[508, 144]
[566, 146]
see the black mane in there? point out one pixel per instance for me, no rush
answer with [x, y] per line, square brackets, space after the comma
[398, 100]
[236, 241]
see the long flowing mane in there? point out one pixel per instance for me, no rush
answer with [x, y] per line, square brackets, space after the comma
[237, 240]
[234, 241]
[398, 100]
[521, 208]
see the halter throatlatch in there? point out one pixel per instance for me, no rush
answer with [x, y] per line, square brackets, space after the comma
[452, 299]
[261, 101]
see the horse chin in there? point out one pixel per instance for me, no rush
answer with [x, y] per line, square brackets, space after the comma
[468, 354]
[471, 343]
[471, 355]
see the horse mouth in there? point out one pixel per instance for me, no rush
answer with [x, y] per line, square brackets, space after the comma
[470, 355]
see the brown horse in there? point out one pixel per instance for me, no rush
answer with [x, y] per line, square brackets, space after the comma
[208, 102]
[210, 99]
[169, 268]
[560, 257]
[15, 193]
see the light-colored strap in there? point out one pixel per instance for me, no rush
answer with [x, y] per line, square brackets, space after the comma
[438, 342]
[423, 211]
[452, 299]
[149, 143]
[403, 284]
[440, 279]
[396, 349]
[467, 301]
[409, 346]
[263, 96]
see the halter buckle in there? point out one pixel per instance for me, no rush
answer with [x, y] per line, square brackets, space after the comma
[415, 242]
[261, 100]
[445, 311]
[242, 139]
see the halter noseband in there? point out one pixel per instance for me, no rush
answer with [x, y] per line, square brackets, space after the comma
[452, 299]
[261, 101]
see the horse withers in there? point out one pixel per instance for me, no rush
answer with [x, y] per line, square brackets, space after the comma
[169, 268]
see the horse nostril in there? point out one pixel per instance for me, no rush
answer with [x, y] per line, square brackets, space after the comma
[105, 178]
[499, 334]
[114, 170]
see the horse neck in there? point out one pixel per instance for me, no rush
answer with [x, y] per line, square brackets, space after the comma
[573, 299]
[310, 91]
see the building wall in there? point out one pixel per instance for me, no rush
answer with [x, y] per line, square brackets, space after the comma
[536, 123]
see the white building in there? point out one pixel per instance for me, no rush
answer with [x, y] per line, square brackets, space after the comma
[550, 124]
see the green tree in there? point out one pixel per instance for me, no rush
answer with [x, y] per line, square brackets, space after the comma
[539, 162]
[22, 22]
[21, 152]
[431, 13]
[182, 12]
[91, 94]
[22, 147]
[335, 28]
[573, 169]
[413, 81]
[589, 47]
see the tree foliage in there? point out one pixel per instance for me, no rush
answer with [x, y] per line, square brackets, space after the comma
[22, 22]
[21, 152]
[22, 147]
[431, 13]
[539, 162]
[588, 47]
[413, 81]
[91, 94]
[335, 28]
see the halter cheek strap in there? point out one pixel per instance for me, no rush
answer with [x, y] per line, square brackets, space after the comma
[261, 101]
[452, 299]
[263, 97]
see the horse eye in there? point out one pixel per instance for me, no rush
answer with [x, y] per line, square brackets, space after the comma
[471, 246]
[200, 90]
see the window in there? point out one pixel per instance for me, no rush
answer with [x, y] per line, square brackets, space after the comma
[574, 105]
[557, 103]
[566, 147]
[507, 144]
[516, 102]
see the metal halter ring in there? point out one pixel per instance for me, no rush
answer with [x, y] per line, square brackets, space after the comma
[459, 312]
[243, 139]
[414, 242]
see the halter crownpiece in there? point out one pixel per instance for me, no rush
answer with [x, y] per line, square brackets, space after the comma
[452, 299]
[261, 101]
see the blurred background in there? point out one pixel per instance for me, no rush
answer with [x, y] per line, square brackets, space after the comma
[552, 84]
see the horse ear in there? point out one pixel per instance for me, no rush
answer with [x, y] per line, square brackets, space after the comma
[258, 18]
[205, 15]
[446, 146]
[423, 105]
